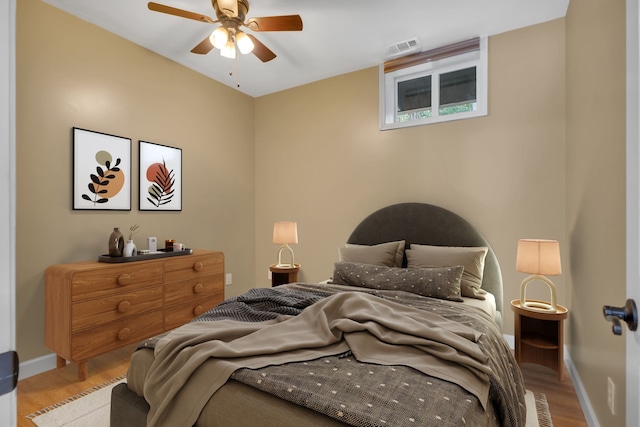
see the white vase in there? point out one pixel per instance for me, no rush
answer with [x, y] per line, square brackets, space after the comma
[129, 249]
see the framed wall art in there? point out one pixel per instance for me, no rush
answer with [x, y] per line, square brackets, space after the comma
[160, 177]
[101, 171]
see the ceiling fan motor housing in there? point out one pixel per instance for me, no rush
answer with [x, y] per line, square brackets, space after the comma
[225, 11]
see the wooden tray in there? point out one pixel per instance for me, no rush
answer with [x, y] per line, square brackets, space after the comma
[160, 254]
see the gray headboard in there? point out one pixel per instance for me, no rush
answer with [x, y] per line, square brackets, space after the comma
[426, 224]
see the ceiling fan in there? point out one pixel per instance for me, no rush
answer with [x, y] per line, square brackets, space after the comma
[231, 15]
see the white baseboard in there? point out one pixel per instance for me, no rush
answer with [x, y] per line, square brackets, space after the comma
[36, 366]
[511, 340]
[581, 393]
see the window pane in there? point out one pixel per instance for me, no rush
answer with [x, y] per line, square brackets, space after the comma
[414, 94]
[458, 91]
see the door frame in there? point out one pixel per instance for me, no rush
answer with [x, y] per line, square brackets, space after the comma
[633, 205]
[7, 194]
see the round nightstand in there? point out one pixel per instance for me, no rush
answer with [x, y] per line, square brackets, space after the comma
[283, 275]
[540, 337]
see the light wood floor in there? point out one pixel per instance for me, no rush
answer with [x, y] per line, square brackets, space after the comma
[56, 385]
[563, 404]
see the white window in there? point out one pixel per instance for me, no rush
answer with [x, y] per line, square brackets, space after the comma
[448, 83]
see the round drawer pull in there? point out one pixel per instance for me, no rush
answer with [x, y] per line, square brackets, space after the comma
[197, 288]
[198, 310]
[124, 306]
[198, 266]
[124, 333]
[124, 279]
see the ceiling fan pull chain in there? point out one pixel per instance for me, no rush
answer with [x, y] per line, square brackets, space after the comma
[238, 71]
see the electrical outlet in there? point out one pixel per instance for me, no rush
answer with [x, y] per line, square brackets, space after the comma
[611, 395]
[228, 279]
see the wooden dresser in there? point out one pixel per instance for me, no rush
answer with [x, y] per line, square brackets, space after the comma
[94, 307]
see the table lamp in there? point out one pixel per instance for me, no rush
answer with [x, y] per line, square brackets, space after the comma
[285, 233]
[539, 258]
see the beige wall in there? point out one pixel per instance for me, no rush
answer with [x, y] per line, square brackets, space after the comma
[321, 160]
[596, 194]
[71, 73]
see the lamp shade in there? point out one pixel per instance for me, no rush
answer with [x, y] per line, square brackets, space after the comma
[219, 37]
[245, 45]
[538, 256]
[285, 232]
[229, 50]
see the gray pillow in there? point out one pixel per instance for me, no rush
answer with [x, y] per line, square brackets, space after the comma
[443, 283]
[471, 258]
[389, 254]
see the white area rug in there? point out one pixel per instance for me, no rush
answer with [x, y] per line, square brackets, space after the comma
[91, 409]
[87, 409]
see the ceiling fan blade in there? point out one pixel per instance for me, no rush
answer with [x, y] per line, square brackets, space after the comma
[156, 7]
[276, 23]
[203, 47]
[263, 53]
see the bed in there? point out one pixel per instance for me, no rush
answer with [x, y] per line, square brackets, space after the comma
[460, 371]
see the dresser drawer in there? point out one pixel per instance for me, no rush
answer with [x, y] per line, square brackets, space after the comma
[96, 312]
[103, 281]
[95, 341]
[180, 314]
[195, 288]
[192, 266]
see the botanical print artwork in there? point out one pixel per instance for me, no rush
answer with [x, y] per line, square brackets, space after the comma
[105, 183]
[160, 177]
[101, 171]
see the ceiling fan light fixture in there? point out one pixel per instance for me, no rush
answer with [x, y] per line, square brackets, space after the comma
[245, 45]
[219, 37]
[229, 50]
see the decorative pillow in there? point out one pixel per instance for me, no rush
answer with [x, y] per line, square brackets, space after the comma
[389, 254]
[443, 283]
[471, 258]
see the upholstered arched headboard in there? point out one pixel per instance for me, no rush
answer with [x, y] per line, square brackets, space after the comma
[427, 224]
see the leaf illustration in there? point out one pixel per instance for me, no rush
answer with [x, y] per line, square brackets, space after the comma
[162, 179]
[99, 185]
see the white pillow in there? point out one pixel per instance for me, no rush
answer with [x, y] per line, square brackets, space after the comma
[471, 258]
[389, 254]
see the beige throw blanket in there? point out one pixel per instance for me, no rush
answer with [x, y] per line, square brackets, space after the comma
[195, 360]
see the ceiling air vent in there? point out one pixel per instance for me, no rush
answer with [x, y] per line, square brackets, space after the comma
[403, 48]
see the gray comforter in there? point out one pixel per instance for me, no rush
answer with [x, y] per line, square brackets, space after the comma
[337, 381]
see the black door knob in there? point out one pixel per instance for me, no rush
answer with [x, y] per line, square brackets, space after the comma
[9, 367]
[628, 314]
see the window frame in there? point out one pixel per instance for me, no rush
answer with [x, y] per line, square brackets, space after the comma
[389, 87]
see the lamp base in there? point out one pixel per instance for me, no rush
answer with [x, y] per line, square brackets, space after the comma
[283, 268]
[286, 265]
[281, 264]
[539, 306]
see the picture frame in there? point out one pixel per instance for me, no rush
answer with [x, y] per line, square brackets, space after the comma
[101, 171]
[160, 177]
